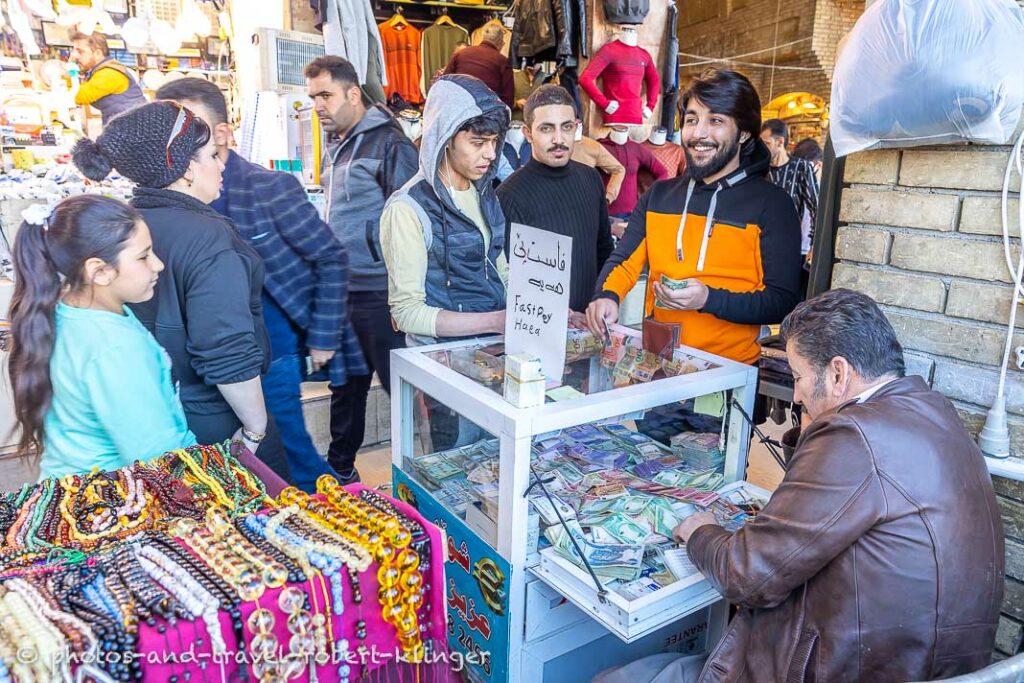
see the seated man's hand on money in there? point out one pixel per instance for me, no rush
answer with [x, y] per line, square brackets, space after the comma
[690, 298]
[600, 313]
[577, 320]
[685, 528]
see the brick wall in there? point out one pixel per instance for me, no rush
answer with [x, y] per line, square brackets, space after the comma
[920, 233]
[725, 28]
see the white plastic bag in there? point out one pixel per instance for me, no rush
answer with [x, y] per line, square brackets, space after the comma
[926, 72]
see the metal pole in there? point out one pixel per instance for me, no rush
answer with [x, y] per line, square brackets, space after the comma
[827, 221]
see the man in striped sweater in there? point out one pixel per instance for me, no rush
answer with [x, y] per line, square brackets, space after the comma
[798, 179]
[553, 192]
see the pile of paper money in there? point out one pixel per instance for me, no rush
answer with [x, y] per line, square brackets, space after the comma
[621, 494]
[617, 492]
[700, 449]
[463, 475]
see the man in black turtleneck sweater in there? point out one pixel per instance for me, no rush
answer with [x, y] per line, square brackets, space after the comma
[552, 192]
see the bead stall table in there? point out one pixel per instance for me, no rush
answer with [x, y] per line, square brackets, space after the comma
[177, 653]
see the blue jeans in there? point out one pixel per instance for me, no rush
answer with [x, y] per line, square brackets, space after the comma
[282, 392]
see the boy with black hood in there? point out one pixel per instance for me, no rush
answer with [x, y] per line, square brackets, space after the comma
[722, 227]
[443, 232]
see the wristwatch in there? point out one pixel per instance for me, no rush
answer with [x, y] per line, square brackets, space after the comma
[252, 436]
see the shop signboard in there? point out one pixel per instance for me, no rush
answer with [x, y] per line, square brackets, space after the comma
[477, 581]
[540, 263]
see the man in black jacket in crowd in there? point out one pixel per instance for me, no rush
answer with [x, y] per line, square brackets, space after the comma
[554, 193]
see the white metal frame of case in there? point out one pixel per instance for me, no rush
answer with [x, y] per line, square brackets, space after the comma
[515, 428]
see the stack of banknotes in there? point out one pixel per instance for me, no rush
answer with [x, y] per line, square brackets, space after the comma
[617, 492]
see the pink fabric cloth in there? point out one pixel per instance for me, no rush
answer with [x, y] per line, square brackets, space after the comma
[184, 637]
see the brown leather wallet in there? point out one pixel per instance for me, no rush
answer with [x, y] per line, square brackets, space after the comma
[660, 338]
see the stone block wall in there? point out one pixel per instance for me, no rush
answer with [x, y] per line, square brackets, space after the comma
[920, 232]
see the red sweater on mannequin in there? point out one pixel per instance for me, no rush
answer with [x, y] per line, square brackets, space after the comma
[623, 70]
[634, 157]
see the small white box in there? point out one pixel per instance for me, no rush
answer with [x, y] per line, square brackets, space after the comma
[523, 394]
[524, 367]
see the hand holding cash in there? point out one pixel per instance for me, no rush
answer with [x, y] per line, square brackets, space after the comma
[680, 295]
[686, 528]
[600, 313]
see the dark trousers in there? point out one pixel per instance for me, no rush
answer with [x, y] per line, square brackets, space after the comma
[212, 428]
[370, 317]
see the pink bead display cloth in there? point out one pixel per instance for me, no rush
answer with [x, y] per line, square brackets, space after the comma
[176, 654]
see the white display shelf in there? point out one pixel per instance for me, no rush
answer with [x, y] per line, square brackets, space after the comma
[633, 621]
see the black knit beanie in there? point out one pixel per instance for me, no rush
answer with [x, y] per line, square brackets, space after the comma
[136, 144]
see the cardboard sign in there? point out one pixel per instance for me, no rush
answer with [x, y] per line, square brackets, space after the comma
[540, 263]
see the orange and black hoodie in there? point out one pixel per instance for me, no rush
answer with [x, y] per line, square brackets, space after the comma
[739, 235]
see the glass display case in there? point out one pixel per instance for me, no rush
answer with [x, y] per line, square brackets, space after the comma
[574, 499]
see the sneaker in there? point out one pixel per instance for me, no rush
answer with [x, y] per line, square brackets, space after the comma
[348, 477]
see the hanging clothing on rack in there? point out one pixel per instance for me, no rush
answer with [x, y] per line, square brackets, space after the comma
[350, 31]
[670, 71]
[402, 58]
[549, 31]
[438, 46]
[477, 36]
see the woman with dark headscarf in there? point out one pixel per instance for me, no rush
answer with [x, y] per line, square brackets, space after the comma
[206, 310]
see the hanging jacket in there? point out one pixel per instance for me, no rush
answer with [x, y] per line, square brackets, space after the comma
[115, 103]
[461, 274]
[549, 30]
[350, 31]
[626, 11]
[533, 32]
[739, 235]
[571, 31]
[670, 71]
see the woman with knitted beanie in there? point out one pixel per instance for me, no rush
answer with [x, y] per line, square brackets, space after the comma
[206, 309]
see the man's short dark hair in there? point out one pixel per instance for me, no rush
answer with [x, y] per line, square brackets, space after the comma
[546, 96]
[96, 41]
[341, 69]
[728, 92]
[777, 128]
[486, 125]
[196, 90]
[808, 149]
[845, 323]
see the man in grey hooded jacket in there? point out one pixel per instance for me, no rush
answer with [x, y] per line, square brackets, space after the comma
[443, 232]
[370, 159]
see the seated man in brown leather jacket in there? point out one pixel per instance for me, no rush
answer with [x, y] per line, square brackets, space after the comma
[880, 555]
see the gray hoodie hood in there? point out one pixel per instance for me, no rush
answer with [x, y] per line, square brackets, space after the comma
[453, 100]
